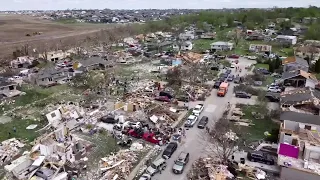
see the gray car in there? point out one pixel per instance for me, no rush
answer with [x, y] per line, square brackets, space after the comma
[180, 163]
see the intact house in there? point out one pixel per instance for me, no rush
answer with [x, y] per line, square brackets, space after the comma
[255, 36]
[54, 55]
[309, 51]
[287, 40]
[301, 100]
[299, 79]
[222, 46]
[295, 63]
[50, 77]
[260, 48]
[22, 62]
[8, 89]
[299, 146]
[187, 36]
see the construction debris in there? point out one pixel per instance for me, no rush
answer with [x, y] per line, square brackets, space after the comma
[9, 149]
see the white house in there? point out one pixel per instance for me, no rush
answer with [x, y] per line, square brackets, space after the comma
[54, 55]
[292, 40]
[186, 46]
[221, 46]
[188, 35]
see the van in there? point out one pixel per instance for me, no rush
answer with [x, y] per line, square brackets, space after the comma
[156, 166]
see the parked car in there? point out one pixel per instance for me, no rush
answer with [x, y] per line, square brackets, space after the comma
[150, 137]
[230, 77]
[241, 94]
[170, 149]
[234, 56]
[192, 119]
[274, 90]
[176, 137]
[109, 119]
[145, 177]
[263, 71]
[217, 84]
[180, 163]
[233, 65]
[238, 80]
[137, 133]
[197, 109]
[162, 98]
[215, 68]
[272, 98]
[156, 166]
[203, 122]
[228, 71]
[258, 156]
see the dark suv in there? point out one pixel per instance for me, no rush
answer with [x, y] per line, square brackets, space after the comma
[258, 156]
[170, 149]
[240, 94]
[203, 122]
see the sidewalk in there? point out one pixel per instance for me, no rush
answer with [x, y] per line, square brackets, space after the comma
[145, 158]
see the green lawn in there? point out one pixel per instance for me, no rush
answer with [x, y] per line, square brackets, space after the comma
[202, 44]
[21, 131]
[256, 132]
[260, 65]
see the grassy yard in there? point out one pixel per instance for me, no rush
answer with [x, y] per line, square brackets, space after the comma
[256, 132]
[21, 131]
[202, 44]
[259, 65]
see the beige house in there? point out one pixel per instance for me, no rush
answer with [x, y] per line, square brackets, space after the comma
[54, 55]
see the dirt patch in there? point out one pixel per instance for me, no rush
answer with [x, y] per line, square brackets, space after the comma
[14, 30]
[5, 119]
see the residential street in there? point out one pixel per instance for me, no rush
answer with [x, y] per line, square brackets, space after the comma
[193, 143]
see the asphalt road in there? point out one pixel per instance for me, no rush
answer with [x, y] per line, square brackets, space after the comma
[193, 143]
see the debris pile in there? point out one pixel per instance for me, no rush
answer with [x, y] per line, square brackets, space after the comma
[119, 165]
[9, 149]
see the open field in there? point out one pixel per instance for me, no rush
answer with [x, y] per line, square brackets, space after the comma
[14, 30]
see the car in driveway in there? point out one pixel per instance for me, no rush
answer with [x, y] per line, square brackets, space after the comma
[217, 84]
[274, 90]
[197, 109]
[192, 119]
[242, 94]
[180, 163]
[156, 166]
[170, 149]
[234, 56]
[272, 97]
[203, 122]
[230, 77]
[258, 156]
[145, 177]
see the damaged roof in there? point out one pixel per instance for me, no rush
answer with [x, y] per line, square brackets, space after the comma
[300, 117]
[295, 73]
[300, 96]
[93, 61]
[295, 59]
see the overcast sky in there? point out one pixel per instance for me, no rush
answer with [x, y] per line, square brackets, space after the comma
[147, 4]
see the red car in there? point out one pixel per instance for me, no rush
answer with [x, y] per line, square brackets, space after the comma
[150, 137]
[234, 56]
[137, 133]
[163, 99]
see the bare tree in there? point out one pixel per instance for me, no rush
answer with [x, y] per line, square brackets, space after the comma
[223, 140]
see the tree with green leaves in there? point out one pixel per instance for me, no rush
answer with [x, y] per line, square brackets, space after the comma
[317, 66]
[271, 65]
[313, 32]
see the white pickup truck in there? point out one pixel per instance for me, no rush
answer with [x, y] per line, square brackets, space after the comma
[198, 109]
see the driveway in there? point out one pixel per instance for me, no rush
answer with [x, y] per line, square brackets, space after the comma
[213, 108]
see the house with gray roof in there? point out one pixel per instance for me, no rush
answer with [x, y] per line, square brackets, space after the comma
[299, 79]
[51, 76]
[295, 63]
[222, 46]
[93, 63]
